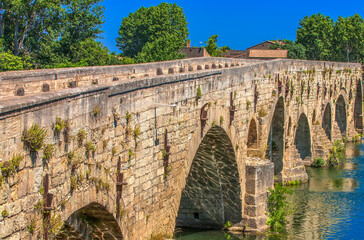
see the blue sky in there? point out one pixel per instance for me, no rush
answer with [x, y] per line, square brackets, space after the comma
[238, 23]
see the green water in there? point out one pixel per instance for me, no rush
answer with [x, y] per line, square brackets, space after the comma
[329, 206]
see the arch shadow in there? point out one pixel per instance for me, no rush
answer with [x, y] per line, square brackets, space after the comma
[275, 142]
[326, 121]
[358, 107]
[212, 194]
[340, 115]
[303, 138]
[252, 142]
[90, 222]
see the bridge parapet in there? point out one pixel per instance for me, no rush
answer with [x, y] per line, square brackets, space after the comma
[20, 83]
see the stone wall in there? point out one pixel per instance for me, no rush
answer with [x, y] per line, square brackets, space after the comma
[124, 119]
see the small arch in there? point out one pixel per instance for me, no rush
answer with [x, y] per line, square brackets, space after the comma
[207, 66]
[358, 107]
[20, 92]
[220, 66]
[91, 222]
[213, 66]
[181, 69]
[72, 84]
[303, 138]
[95, 81]
[226, 65]
[190, 68]
[45, 87]
[159, 71]
[199, 67]
[340, 114]
[326, 121]
[170, 70]
[115, 79]
[212, 194]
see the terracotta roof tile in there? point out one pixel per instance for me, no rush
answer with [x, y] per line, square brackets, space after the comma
[262, 53]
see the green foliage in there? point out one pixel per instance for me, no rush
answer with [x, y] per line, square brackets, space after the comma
[74, 183]
[81, 135]
[227, 224]
[136, 131]
[336, 153]
[199, 93]
[97, 111]
[48, 152]
[10, 62]
[33, 138]
[221, 120]
[212, 48]
[278, 207]
[32, 226]
[318, 162]
[130, 154]
[60, 125]
[213, 123]
[127, 117]
[315, 33]
[158, 31]
[10, 167]
[90, 148]
[262, 113]
[113, 151]
[4, 213]
[248, 104]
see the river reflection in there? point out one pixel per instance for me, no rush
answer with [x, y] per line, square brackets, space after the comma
[329, 206]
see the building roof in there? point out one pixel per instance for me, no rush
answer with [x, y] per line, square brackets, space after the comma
[192, 52]
[263, 53]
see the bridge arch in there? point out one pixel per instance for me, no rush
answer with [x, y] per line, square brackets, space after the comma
[302, 138]
[340, 114]
[275, 142]
[93, 221]
[212, 194]
[326, 121]
[358, 107]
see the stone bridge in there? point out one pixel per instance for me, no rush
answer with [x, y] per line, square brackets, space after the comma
[127, 152]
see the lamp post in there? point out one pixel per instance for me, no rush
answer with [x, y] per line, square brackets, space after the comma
[156, 141]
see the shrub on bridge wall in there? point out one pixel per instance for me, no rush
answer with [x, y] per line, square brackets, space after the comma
[336, 153]
[81, 135]
[48, 152]
[318, 162]
[278, 207]
[34, 138]
[10, 167]
[59, 125]
[199, 93]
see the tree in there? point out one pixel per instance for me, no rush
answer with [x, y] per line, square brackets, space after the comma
[315, 34]
[213, 49]
[348, 41]
[140, 31]
[162, 49]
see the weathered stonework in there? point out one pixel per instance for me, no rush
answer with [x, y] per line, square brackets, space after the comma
[232, 98]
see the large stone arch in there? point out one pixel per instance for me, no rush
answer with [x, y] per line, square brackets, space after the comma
[275, 142]
[358, 107]
[93, 221]
[252, 142]
[212, 194]
[326, 121]
[340, 114]
[302, 139]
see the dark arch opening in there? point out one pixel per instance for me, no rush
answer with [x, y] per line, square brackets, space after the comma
[90, 222]
[302, 139]
[212, 192]
[326, 121]
[358, 108]
[275, 141]
[340, 115]
[252, 142]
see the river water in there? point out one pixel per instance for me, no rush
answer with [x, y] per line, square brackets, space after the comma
[329, 206]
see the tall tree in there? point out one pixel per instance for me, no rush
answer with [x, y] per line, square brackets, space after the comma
[146, 26]
[315, 34]
[348, 41]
